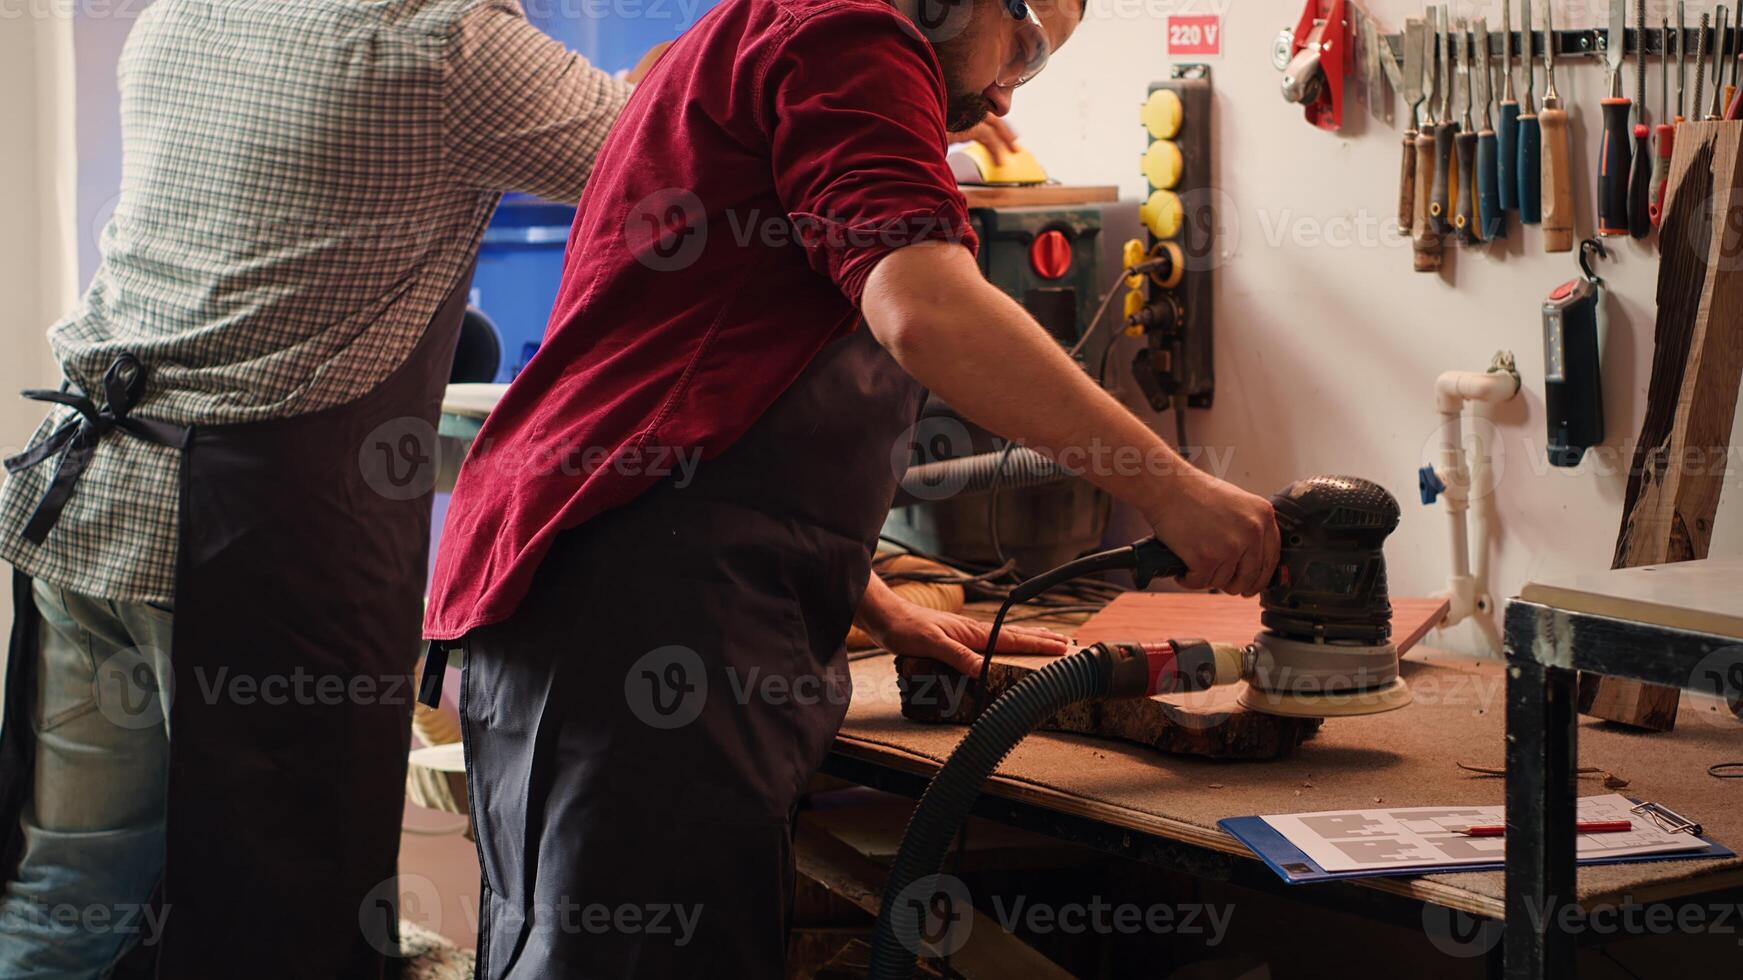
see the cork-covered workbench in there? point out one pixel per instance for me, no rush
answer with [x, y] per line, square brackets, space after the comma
[1163, 810]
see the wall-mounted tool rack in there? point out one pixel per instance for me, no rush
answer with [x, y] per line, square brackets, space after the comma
[1589, 42]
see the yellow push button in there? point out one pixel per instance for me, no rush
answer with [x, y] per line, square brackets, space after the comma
[1161, 114]
[1161, 214]
[1161, 164]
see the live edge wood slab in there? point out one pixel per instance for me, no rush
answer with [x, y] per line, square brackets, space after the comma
[1209, 724]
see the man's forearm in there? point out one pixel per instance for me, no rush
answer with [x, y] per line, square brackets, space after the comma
[984, 355]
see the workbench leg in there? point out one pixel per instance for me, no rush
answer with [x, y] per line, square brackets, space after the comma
[1541, 752]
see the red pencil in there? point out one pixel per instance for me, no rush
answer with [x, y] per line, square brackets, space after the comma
[1583, 827]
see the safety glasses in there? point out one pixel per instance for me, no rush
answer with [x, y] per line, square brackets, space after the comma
[1032, 50]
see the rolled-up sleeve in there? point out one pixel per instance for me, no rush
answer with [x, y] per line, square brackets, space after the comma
[523, 113]
[855, 109]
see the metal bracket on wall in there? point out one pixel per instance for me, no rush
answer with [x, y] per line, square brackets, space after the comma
[1589, 42]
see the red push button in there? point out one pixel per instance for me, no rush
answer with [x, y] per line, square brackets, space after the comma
[1050, 254]
[1564, 290]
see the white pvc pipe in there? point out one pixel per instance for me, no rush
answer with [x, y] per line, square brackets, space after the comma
[1467, 593]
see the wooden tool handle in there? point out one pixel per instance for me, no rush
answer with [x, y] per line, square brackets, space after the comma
[1407, 185]
[1507, 157]
[1465, 196]
[1440, 206]
[1530, 169]
[1425, 241]
[1640, 184]
[1661, 169]
[1492, 221]
[1613, 159]
[1558, 192]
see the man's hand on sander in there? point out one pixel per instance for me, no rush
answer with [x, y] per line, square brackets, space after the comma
[909, 630]
[1227, 536]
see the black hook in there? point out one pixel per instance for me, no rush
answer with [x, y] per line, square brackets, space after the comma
[1592, 245]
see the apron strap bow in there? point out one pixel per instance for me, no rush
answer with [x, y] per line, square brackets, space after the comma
[75, 440]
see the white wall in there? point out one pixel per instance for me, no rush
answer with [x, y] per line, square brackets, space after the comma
[1328, 344]
[37, 264]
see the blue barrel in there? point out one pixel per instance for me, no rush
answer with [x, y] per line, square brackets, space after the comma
[520, 265]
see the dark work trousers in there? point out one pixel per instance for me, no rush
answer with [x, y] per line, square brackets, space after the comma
[639, 732]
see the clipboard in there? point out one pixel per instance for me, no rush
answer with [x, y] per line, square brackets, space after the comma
[1296, 868]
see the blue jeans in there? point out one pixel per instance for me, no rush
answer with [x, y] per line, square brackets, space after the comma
[94, 825]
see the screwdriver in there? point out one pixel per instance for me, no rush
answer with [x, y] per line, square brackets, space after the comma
[1640, 177]
[1613, 157]
[1529, 167]
[1446, 182]
[1507, 135]
[1558, 197]
[1465, 143]
[1665, 130]
[1425, 241]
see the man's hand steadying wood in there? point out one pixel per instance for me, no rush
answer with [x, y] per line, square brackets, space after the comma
[981, 352]
[907, 629]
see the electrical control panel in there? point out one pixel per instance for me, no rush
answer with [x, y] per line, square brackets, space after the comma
[1170, 306]
[1046, 258]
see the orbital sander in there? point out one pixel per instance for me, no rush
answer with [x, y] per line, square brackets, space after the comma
[1324, 649]
[1326, 644]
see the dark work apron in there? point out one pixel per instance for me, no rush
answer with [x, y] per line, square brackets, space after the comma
[640, 731]
[298, 612]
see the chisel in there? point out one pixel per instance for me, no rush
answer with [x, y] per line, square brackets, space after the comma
[1465, 144]
[1528, 163]
[1640, 174]
[1614, 149]
[1425, 240]
[1682, 62]
[1446, 182]
[1558, 197]
[1665, 131]
[1409, 83]
[1492, 221]
[1718, 106]
[1507, 135]
[1731, 65]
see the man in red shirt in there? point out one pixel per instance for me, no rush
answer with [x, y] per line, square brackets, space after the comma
[664, 531]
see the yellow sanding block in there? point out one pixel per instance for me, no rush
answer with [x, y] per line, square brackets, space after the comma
[973, 164]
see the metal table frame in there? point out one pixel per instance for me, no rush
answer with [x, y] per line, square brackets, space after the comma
[1546, 648]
